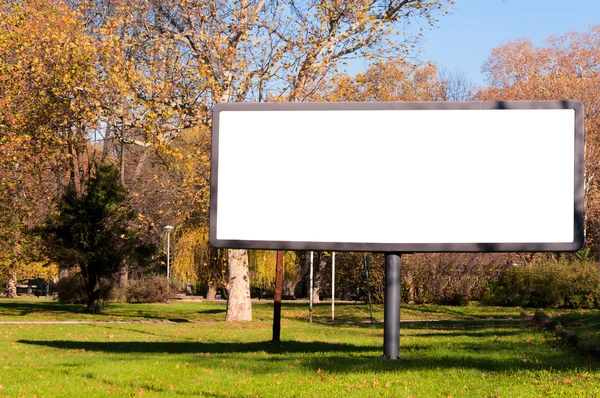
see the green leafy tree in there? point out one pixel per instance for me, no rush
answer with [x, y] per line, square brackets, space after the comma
[93, 231]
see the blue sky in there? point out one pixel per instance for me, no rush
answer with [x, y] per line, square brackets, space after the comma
[462, 40]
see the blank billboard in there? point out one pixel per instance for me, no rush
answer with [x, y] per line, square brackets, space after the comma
[398, 177]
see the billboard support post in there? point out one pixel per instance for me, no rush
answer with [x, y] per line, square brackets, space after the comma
[277, 296]
[391, 314]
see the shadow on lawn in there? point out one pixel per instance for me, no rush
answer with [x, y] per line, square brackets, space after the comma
[112, 310]
[270, 347]
[26, 308]
[212, 311]
[345, 358]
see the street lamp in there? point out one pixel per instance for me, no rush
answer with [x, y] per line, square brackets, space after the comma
[168, 228]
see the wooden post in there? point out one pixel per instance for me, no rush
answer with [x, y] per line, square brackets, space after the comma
[278, 292]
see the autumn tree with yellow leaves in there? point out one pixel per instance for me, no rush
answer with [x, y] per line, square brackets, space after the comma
[47, 69]
[257, 50]
[140, 74]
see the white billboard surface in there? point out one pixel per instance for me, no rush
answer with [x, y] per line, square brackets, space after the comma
[399, 178]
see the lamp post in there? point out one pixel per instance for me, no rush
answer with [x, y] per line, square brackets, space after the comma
[168, 228]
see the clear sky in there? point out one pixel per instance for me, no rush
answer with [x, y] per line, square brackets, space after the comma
[463, 39]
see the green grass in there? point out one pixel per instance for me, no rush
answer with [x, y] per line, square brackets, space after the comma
[200, 355]
[46, 309]
[580, 330]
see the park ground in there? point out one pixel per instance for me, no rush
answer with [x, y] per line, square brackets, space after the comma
[185, 349]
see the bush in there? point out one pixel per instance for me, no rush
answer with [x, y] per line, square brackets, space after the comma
[150, 289]
[71, 290]
[547, 284]
[449, 278]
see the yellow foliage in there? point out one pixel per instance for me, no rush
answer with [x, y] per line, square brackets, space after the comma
[262, 266]
[191, 254]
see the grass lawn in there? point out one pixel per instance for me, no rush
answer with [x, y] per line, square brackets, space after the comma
[41, 309]
[200, 355]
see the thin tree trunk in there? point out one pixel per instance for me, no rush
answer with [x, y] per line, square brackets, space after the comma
[122, 163]
[92, 285]
[108, 147]
[124, 270]
[239, 305]
[411, 286]
[123, 281]
[318, 279]
[216, 263]
[11, 287]
[140, 164]
[211, 291]
[289, 284]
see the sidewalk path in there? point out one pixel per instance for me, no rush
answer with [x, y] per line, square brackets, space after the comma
[167, 321]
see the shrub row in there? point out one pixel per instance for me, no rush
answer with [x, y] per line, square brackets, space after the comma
[550, 284]
[150, 289]
[71, 290]
[147, 289]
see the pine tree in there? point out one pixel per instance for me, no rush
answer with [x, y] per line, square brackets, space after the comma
[92, 231]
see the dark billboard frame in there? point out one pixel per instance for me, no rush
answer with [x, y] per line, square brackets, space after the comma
[578, 189]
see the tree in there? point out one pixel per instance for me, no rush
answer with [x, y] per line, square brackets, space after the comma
[201, 52]
[457, 86]
[294, 272]
[47, 67]
[259, 50]
[318, 277]
[93, 231]
[239, 305]
[564, 67]
[388, 80]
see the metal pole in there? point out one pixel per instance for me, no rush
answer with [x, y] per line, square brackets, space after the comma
[168, 264]
[333, 286]
[310, 294]
[391, 314]
[278, 293]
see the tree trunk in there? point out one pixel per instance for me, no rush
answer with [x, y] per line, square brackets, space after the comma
[318, 279]
[239, 305]
[289, 284]
[411, 286]
[211, 291]
[94, 305]
[11, 287]
[349, 292]
[123, 282]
